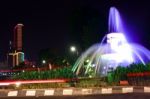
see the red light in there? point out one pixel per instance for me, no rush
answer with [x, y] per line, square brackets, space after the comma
[5, 83]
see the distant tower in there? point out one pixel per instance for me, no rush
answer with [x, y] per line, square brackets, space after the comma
[18, 37]
[16, 56]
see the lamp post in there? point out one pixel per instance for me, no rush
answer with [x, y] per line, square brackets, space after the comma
[74, 52]
[73, 49]
[43, 62]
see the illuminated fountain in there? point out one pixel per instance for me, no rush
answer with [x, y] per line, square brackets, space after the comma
[114, 50]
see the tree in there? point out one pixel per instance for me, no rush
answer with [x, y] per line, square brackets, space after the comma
[53, 57]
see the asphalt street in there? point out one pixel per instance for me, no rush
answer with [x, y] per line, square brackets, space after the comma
[108, 96]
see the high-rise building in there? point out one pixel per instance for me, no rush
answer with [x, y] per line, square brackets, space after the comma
[16, 55]
[17, 41]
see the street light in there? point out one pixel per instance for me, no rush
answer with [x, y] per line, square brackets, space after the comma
[74, 52]
[43, 61]
[73, 48]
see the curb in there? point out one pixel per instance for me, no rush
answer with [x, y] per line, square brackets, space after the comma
[73, 91]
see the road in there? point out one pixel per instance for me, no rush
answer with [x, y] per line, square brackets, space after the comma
[110, 96]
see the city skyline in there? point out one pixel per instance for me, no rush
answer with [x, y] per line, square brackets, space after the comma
[58, 24]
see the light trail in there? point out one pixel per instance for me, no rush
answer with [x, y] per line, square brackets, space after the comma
[15, 82]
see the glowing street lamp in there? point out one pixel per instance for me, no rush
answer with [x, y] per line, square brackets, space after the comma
[72, 48]
[43, 61]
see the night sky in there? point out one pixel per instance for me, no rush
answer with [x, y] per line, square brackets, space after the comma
[56, 24]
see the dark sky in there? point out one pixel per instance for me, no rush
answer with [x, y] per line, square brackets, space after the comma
[56, 24]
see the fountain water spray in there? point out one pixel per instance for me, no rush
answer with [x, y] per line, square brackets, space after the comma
[101, 58]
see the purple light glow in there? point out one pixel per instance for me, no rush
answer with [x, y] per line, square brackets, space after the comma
[116, 52]
[115, 23]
